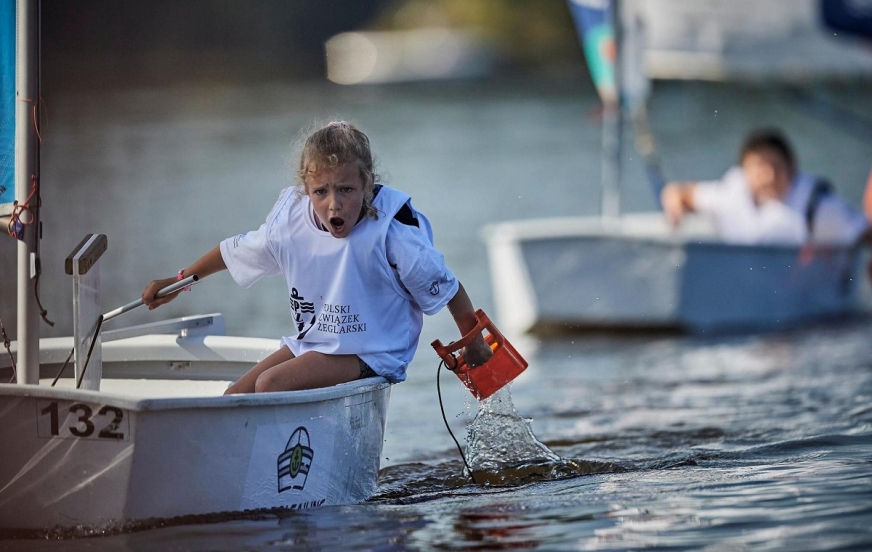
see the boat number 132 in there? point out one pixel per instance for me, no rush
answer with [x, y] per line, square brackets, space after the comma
[80, 420]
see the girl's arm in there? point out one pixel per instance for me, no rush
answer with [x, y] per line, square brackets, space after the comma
[208, 264]
[460, 307]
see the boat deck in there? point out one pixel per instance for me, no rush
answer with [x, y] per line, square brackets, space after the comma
[152, 388]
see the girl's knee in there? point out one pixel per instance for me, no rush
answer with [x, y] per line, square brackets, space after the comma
[267, 383]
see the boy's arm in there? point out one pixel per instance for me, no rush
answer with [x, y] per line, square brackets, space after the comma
[208, 264]
[677, 199]
[460, 307]
[867, 199]
[866, 237]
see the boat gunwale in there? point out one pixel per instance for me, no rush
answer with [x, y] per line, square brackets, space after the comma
[590, 228]
[281, 398]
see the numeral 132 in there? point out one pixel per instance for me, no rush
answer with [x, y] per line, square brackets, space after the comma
[85, 423]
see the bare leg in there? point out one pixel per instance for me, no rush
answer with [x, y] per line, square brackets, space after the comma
[245, 384]
[282, 371]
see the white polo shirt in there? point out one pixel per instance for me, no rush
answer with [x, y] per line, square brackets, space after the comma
[740, 221]
[363, 294]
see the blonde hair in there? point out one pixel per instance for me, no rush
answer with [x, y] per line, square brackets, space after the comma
[338, 143]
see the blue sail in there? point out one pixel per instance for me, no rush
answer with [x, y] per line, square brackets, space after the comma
[7, 104]
[849, 16]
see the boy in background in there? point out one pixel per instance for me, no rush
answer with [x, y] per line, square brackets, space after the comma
[767, 200]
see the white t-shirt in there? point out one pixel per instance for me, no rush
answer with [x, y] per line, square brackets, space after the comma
[740, 221]
[363, 294]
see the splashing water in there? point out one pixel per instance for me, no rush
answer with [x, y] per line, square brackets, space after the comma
[499, 438]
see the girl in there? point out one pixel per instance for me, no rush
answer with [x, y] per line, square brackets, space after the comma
[360, 267]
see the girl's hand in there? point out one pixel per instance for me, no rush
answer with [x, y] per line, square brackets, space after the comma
[148, 294]
[477, 353]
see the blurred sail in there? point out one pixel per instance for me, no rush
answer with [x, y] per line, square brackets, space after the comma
[755, 40]
[614, 46]
[593, 23]
[7, 105]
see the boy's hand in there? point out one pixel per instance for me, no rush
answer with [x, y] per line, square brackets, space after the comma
[477, 353]
[676, 198]
[670, 199]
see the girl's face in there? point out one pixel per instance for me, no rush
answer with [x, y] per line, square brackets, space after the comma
[337, 197]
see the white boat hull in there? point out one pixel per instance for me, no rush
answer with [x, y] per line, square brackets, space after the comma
[103, 458]
[635, 272]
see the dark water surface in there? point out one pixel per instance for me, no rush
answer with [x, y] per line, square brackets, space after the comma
[671, 442]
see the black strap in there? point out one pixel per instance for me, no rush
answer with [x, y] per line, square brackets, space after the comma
[822, 188]
[404, 215]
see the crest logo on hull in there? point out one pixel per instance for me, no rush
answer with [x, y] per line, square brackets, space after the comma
[294, 463]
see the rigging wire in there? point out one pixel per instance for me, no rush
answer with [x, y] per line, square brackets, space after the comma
[445, 419]
[61, 371]
[8, 346]
[87, 359]
[42, 311]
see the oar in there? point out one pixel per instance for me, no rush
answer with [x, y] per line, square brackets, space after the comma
[170, 289]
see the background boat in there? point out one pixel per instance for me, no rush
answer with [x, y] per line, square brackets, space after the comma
[631, 270]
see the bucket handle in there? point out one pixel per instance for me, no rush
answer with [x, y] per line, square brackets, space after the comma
[483, 322]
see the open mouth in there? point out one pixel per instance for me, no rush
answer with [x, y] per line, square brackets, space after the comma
[337, 223]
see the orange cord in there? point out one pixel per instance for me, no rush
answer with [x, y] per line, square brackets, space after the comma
[18, 209]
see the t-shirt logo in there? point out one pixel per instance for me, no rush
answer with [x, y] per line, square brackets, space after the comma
[434, 288]
[302, 309]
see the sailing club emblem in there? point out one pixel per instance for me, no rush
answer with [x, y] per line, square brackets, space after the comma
[302, 309]
[434, 288]
[294, 463]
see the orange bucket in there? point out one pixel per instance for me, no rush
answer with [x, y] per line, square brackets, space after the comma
[485, 380]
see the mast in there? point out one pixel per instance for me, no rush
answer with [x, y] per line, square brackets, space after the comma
[27, 185]
[612, 127]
